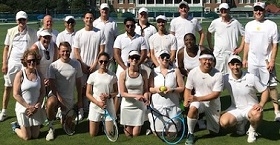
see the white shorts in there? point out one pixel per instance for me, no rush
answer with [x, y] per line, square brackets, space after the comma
[212, 114]
[170, 111]
[263, 74]
[95, 114]
[13, 69]
[239, 114]
[36, 119]
[221, 61]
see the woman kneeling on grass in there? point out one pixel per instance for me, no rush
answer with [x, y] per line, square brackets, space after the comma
[28, 91]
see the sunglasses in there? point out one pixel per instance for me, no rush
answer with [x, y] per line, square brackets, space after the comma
[130, 26]
[165, 56]
[21, 19]
[136, 57]
[258, 9]
[103, 61]
[47, 37]
[47, 55]
[31, 60]
[71, 21]
[160, 21]
[183, 6]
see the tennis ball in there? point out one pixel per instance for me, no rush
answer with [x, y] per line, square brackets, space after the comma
[162, 88]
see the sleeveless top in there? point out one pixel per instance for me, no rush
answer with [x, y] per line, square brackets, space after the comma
[191, 62]
[44, 63]
[30, 91]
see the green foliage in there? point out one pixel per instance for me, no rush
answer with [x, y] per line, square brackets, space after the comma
[5, 8]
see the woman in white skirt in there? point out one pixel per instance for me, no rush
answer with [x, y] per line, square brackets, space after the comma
[133, 85]
[101, 88]
[29, 92]
[166, 84]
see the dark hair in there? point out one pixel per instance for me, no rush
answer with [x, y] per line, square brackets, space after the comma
[64, 43]
[104, 54]
[88, 12]
[30, 52]
[206, 51]
[191, 35]
[129, 19]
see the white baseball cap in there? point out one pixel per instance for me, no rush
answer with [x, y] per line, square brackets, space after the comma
[162, 17]
[143, 9]
[223, 6]
[260, 4]
[234, 57]
[21, 15]
[67, 18]
[164, 52]
[45, 33]
[133, 52]
[183, 3]
[103, 6]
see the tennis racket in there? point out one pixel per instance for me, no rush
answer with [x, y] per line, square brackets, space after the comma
[110, 126]
[70, 122]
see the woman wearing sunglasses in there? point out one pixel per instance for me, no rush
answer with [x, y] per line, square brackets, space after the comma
[101, 89]
[166, 84]
[133, 85]
[29, 92]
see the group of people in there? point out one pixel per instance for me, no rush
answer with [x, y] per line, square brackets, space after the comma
[143, 66]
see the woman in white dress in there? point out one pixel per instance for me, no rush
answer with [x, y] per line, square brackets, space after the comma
[29, 92]
[133, 85]
[166, 84]
[101, 89]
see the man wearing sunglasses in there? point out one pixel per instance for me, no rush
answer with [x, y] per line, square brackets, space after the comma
[47, 25]
[226, 35]
[68, 34]
[17, 41]
[184, 24]
[261, 39]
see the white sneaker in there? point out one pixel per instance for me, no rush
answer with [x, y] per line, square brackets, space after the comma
[50, 135]
[3, 116]
[201, 124]
[251, 136]
[81, 114]
[277, 117]
[240, 127]
[148, 131]
[58, 114]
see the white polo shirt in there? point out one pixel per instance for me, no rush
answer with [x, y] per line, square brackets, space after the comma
[68, 37]
[125, 44]
[147, 32]
[53, 32]
[205, 83]
[243, 91]
[181, 26]
[260, 36]
[88, 43]
[110, 31]
[162, 42]
[226, 35]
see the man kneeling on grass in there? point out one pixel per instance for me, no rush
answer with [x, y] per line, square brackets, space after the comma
[245, 106]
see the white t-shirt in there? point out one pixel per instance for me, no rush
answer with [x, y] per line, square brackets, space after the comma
[53, 32]
[125, 44]
[162, 42]
[205, 83]
[110, 31]
[102, 83]
[65, 75]
[147, 32]
[88, 42]
[182, 26]
[243, 91]
[68, 37]
[260, 36]
[191, 62]
[226, 34]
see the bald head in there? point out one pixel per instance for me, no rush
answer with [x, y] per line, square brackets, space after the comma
[47, 22]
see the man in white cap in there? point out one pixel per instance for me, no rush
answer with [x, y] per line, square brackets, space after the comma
[208, 85]
[68, 34]
[245, 105]
[260, 50]
[47, 25]
[17, 41]
[162, 40]
[226, 35]
[184, 24]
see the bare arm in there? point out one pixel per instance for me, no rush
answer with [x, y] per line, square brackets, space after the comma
[79, 91]
[17, 90]
[180, 58]
[264, 97]
[241, 46]
[172, 55]
[245, 55]
[5, 59]
[117, 56]
[143, 56]
[153, 57]
[272, 57]
[209, 40]
[180, 83]
[92, 99]
[201, 33]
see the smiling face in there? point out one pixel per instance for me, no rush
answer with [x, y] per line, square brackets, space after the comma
[45, 40]
[235, 67]
[130, 27]
[104, 12]
[103, 61]
[88, 19]
[259, 13]
[183, 10]
[206, 64]
[64, 52]
[47, 22]
[189, 41]
[134, 59]
[30, 61]
[161, 24]
[224, 12]
[164, 59]
[22, 22]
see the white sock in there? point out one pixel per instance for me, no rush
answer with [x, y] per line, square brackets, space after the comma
[191, 124]
[4, 111]
[276, 112]
[251, 128]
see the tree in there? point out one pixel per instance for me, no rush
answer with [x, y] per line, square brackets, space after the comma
[5, 8]
[62, 5]
[78, 6]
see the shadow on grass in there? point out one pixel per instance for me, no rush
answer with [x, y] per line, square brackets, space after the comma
[269, 130]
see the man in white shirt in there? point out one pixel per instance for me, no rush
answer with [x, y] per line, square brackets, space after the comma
[260, 50]
[68, 34]
[184, 24]
[245, 105]
[226, 35]
[47, 25]
[17, 41]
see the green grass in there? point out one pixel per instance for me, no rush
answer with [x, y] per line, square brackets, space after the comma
[269, 129]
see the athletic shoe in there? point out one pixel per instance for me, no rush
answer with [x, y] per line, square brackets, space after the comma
[240, 127]
[201, 124]
[251, 136]
[15, 125]
[277, 117]
[148, 131]
[80, 114]
[3, 116]
[58, 114]
[190, 139]
[50, 135]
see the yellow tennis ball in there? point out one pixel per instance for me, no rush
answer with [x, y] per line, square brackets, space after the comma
[162, 88]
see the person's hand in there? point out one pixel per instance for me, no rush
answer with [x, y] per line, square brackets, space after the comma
[46, 82]
[101, 104]
[104, 96]
[245, 63]
[186, 103]
[258, 107]
[237, 50]
[85, 68]
[91, 69]
[4, 68]
[270, 66]
[139, 98]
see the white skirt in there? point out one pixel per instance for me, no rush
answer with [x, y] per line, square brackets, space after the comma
[35, 120]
